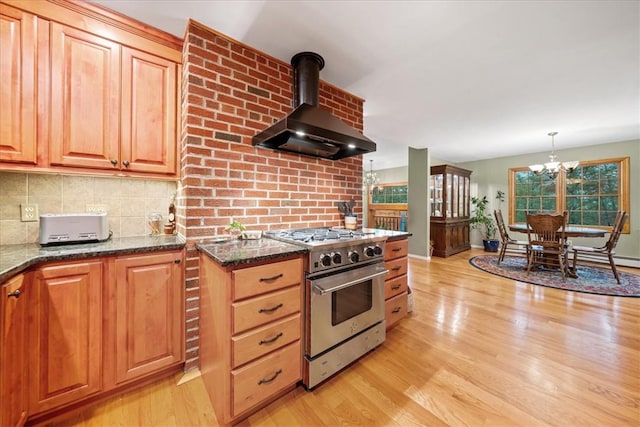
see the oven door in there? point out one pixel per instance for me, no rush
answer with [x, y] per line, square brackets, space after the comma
[344, 304]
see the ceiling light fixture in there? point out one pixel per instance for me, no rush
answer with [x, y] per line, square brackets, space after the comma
[553, 167]
[371, 179]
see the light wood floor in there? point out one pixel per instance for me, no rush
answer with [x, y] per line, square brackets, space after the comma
[478, 350]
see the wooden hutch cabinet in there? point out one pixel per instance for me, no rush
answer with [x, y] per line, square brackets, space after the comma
[449, 196]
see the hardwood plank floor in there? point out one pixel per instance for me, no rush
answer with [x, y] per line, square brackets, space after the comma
[478, 350]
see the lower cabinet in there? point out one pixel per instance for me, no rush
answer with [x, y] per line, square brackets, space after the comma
[65, 358]
[396, 281]
[13, 350]
[148, 317]
[250, 334]
[88, 327]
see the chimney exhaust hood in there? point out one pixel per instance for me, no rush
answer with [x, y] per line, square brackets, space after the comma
[309, 129]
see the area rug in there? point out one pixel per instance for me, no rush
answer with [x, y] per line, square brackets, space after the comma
[591, 279]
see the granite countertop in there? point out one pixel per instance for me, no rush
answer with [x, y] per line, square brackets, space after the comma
[17, 258]
[237, 252]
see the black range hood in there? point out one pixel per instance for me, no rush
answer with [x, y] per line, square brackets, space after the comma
[309, 129]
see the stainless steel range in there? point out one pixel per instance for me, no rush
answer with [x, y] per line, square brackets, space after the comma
[344, 297]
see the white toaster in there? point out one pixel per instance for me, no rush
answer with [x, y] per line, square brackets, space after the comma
[73, 228]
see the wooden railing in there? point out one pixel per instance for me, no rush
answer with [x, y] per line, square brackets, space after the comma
[387, 219]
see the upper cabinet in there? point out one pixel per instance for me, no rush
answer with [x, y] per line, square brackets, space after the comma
[18, 79]
[107, 92]
[85, 90]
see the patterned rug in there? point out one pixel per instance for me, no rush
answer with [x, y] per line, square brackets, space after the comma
[592, 280]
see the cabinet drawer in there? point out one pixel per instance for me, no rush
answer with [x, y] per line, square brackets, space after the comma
[395, 286]
[263, 309]
[251, 281]
[395, 309]
[396, 267]
[261, 341]
[396, 249]
[265, 377]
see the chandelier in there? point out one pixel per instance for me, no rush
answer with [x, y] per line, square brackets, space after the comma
[553, 167]
[371, 179]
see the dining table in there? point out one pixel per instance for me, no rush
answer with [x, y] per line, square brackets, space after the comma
[569, 231]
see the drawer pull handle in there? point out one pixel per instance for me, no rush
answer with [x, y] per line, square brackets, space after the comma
[396, 310]
[396, 249]
[397, 267]
[273, 377]
[270, 310]
[394, 287]
[15, 294]
[270, 340]
[270, 279]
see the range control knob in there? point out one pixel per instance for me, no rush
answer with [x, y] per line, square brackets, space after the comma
[377, 250]
[336, 258]
[325, 260]
[368, 251]
[354, 256]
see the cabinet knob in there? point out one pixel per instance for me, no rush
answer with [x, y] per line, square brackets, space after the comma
[126, 163]
[15, 294]
[177, 261]
[114, 162]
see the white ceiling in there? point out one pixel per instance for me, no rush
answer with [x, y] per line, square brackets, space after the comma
[469, 79]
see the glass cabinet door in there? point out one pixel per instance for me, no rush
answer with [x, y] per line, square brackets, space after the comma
[435, 194]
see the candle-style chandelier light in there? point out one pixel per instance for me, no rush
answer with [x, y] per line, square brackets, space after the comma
[553, 167]
[371, 179]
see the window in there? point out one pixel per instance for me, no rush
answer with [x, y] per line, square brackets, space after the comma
[592, 193]
[389, 194]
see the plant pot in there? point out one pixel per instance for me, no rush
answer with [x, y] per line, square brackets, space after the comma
[491, 245]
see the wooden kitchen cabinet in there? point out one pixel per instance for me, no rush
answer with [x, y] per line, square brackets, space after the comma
[149, 314]
[65, 336]
[98, 91]
[14, 300]
[250, 333]
[85, 93]
[18, 47]
[112, 107]
[396, 281]
[99, 325]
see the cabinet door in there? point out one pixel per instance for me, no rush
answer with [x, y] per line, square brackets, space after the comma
[13, 302]
[85, 99]
[65, 359]
[149, 314]
[18, 77]
[149, 92]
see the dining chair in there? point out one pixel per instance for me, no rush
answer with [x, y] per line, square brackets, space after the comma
[506, 240]
[609, 247]
[547, 241]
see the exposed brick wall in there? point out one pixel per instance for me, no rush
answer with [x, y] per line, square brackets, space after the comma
[230, 92]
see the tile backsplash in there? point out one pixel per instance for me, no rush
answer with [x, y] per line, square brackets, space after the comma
[128, 201]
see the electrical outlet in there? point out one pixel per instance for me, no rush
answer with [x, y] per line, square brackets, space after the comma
[96, 207]
[28, 212]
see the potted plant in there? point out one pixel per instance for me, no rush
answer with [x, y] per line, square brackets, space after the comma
[235, 228]
[483, 221]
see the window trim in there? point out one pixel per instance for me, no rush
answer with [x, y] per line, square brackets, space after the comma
[561, 185]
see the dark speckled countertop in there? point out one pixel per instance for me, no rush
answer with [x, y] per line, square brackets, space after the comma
[17, 258]
[236, 252]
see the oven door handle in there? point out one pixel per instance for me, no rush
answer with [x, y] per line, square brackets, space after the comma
[322, 291]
